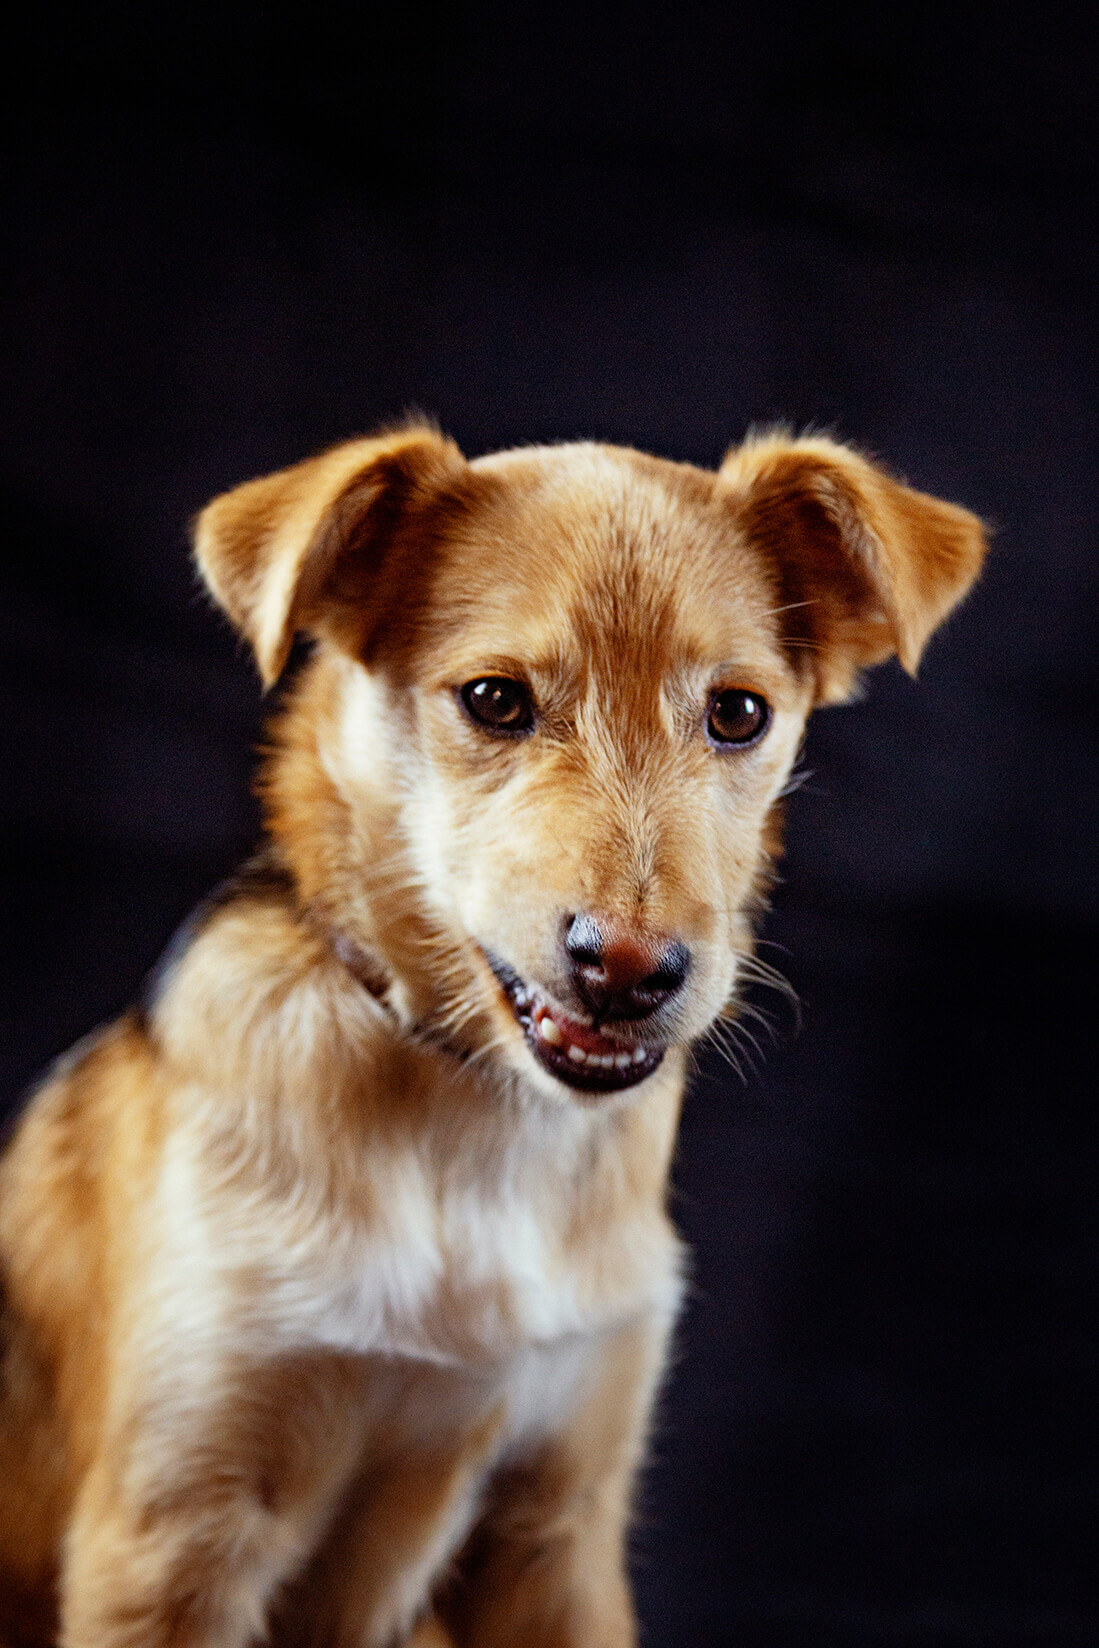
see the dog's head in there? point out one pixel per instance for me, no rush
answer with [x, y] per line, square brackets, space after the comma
[557, 695]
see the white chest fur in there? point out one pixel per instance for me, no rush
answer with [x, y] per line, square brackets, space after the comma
[469, 1277]
[460, 1270]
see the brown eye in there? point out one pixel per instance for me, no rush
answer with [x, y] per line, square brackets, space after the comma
[499, 704]
[737, 717]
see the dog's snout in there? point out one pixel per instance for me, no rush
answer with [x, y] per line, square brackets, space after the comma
[621, 971]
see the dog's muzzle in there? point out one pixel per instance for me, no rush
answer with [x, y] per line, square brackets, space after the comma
[578, 1054]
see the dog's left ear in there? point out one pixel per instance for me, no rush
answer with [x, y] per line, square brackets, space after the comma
[301, 549]
[864, 566]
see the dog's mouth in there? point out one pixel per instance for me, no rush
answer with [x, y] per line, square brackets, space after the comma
[577, 1054]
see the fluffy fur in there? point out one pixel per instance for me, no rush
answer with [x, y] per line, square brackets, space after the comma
[334, 1306]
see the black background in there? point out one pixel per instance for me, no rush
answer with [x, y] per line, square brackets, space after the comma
[238, 236]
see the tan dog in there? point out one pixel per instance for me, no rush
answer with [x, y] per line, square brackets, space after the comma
[339, 1280]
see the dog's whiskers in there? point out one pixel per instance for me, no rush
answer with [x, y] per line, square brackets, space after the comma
[730, 1035]
[719, 1036]
[755, 971]
[800, 776]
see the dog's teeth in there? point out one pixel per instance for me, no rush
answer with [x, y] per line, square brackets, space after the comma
[606, 1060]
[549, 1031]
[639, 1055]
[522, 999]
[578, 1055]
[621, 1060]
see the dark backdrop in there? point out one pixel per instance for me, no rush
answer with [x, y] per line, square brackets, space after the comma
[237, 239]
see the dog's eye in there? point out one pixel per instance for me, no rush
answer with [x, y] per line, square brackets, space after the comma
[502, 705]
[737, 717]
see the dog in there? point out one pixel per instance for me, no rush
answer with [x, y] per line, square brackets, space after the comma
[338, 1278]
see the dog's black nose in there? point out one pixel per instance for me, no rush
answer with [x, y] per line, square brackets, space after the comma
[621, 971]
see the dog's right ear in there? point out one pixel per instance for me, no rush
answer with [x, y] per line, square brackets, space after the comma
[274, 550]
[864, 566]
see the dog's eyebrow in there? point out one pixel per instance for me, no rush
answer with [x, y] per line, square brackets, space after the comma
[791, 606]
[455, 672]
[547, 666]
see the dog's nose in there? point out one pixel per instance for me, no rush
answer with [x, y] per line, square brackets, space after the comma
[621, 971]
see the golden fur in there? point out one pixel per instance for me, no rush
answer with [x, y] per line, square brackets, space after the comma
[332, 1310]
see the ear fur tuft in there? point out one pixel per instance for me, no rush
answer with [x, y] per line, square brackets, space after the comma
[866, 566]
[268, 548]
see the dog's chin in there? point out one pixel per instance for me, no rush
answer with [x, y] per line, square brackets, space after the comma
[576, 1054]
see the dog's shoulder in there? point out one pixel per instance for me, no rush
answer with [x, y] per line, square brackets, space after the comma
[252, 995]
[263, 879]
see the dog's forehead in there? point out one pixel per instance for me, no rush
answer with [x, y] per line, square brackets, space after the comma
[605, 542]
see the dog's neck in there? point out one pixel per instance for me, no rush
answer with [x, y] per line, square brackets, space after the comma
[352, 880]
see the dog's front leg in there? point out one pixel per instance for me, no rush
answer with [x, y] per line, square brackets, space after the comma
[371, 1582]
[547, 1568]
[197, 1511]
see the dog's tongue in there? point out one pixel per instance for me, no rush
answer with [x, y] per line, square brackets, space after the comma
[573, 1034]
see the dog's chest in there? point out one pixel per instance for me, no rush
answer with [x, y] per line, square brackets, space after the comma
[466, 1277]
[429, 1266]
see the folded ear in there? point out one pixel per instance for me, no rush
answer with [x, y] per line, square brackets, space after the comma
[275, 552]
[864, 566]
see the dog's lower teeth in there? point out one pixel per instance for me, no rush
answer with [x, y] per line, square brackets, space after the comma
[539, 1022]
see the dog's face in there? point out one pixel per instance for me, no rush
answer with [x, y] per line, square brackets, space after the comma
[602, 716]
[582, 675]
